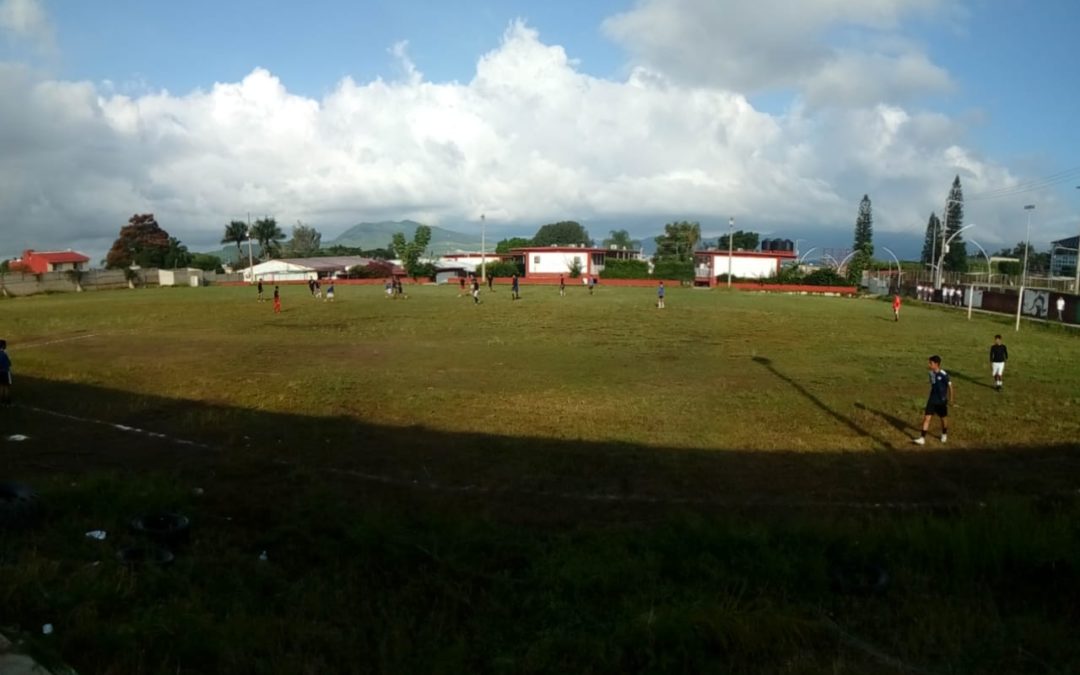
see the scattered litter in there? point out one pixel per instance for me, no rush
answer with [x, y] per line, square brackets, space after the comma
[18, 437]
[97, 534]
[263, 557]
[47, 629]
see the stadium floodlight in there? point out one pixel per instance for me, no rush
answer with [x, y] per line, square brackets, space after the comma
[1023, 274]
[483, 249]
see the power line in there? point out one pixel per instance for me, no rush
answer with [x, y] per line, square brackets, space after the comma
[1029, 186]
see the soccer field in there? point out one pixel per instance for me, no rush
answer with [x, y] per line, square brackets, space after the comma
[420, 467]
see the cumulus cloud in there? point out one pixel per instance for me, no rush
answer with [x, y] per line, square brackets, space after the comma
[770, 44]
[27, 19]
[529, 139]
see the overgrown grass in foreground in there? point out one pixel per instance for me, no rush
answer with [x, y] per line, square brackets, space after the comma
[991, 590]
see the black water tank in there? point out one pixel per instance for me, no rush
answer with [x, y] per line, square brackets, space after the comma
[789, 245]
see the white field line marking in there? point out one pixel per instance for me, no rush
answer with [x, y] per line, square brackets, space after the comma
[573, 496]
[53, 342]
[121, 427]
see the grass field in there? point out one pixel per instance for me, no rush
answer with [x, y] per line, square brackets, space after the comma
[579, 484]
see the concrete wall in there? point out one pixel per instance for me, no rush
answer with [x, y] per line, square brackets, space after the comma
[93, 280]
[746, 267]
[556, 262]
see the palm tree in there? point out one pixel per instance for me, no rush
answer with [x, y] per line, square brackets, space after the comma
[236, 232]
[269, 236]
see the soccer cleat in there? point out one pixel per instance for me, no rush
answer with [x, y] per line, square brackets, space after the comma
[944, 437]
[919, 441]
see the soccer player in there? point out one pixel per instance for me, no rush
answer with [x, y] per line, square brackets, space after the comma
[5, 375]
[491, 284]
[941, 395]
[660, 295]
[476, 291]
[461, 287]
[999, 354]
[896, 307]
[592, 284]
[1061, 308]
[330, 292]
[260, 291]
[277, 300]
[514, 288]
[562, 286]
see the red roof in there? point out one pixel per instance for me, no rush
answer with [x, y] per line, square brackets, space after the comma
[559, 249]
[56, 257]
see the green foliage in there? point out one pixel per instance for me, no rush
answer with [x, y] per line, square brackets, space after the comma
[864, 231]
[678, 242]
[386, 253]
[305, 241]
[1038, 262]
[625, 269]
[506, 245]
[176, 256]
[956, 258]
[410, 252]
[505, 268]
[141, 242]
[681, 270]
[826, 276]
[575, 268]
[622, 239]
[747, 241]
[930, 241]
[236, 232]
[1008, 267]
[563, 233]
[269, 235]
[5, 266]
[207, 262]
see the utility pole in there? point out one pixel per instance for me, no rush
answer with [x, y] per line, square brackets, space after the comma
[483, 249]
[730, 247]
[1076, 282]
[1023, 275]
[251, 258]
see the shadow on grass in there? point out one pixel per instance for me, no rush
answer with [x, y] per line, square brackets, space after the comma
[969, 379]
[892, 420]
[538, 477]
[843, 419]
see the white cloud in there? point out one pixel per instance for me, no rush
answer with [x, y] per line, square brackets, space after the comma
[528, 140]
[27, 19]
[769, 44]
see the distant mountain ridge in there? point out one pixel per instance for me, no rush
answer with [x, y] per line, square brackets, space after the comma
[379, 235]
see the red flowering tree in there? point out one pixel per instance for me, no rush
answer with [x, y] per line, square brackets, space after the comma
[141, 242]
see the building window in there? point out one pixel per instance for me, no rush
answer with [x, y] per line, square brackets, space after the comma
[536, 260]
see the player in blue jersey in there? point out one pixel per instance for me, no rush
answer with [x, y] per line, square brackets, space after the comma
[941, 395]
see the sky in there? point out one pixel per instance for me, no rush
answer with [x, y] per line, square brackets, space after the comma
[621, 114]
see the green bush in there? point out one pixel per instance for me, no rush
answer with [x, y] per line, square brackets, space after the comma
[625, 269]
[504, 268]
[370, 271]
[825, 276]
[674, 269]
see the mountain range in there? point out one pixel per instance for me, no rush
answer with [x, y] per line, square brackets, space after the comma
[378, 235]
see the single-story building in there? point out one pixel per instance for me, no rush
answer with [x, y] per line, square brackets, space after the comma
[39, 262]
[708, 265]
[555, 261]
[190, 276]
[303, 269]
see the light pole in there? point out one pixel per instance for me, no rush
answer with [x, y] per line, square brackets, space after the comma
[1023, 274]
[730, 247]
[971, 287]
[251, 258]
[899, 272]
[944, 226]
[483, 249]
[1027, 244]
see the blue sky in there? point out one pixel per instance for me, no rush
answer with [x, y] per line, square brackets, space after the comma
[980, 88]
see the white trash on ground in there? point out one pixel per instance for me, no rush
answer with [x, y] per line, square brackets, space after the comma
[97, 534]
[18, 437]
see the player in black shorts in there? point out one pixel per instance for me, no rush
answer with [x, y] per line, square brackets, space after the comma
[941, 395]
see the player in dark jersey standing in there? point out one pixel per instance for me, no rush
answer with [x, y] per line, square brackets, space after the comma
[941, 395]
[999, 354]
